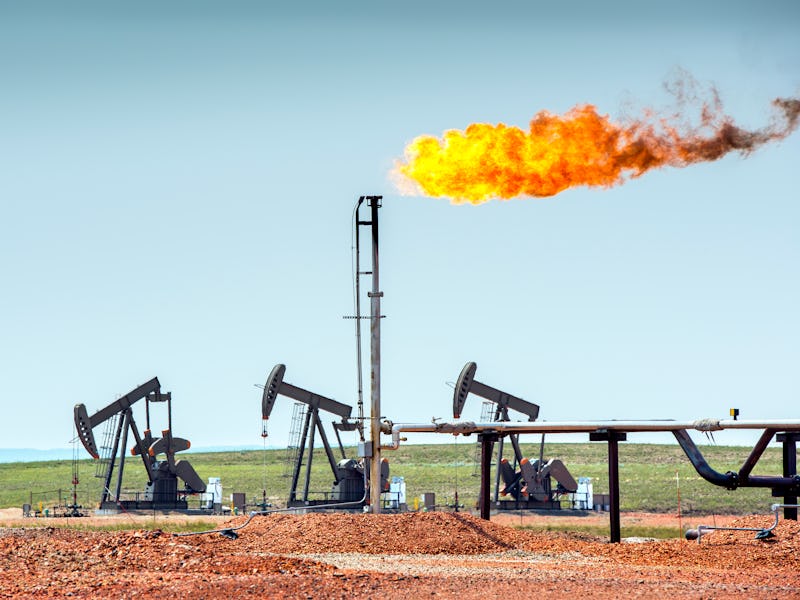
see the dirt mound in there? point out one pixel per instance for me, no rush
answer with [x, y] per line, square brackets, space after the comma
[422, 533]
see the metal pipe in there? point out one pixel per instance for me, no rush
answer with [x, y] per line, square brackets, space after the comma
[469, 427]
[357, 293]
[615, 527]
[763, 533]
[227, 531]
[758, 450]
[731, 480]
[728, 480]
[789, 442]
[375, 363]
[487, 441]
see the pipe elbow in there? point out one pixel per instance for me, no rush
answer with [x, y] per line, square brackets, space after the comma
[732, 480]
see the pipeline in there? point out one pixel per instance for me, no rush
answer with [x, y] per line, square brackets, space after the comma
[728, 480]
[502, 427]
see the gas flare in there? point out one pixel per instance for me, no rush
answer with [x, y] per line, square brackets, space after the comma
[581, 147]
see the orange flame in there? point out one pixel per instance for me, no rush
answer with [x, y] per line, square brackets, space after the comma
[581, 147]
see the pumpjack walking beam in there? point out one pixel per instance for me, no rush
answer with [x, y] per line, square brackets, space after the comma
[85, 424]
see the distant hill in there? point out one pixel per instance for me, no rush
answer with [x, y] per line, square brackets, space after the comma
[10, 455]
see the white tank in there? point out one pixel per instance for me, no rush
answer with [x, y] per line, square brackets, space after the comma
[584, 496]
[214, 492]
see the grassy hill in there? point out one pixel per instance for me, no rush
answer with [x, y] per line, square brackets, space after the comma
[649, 475]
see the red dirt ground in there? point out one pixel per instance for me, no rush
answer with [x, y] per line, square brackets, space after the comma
[447, 555]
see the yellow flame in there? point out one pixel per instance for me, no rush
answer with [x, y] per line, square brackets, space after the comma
[579, 148]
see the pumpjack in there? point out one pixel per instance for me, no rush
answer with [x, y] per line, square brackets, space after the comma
[161, 491]
[349, 483]
[528, 483]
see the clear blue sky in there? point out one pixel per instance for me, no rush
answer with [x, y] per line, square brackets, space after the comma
[178, 180]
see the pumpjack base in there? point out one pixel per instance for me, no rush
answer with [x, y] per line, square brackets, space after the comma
[333, 504]
[128, 505]
[527, 505]
[116, 510]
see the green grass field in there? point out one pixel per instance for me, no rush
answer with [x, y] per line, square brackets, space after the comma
[651, 476]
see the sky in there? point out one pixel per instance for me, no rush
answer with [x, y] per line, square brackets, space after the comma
[178, 183]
